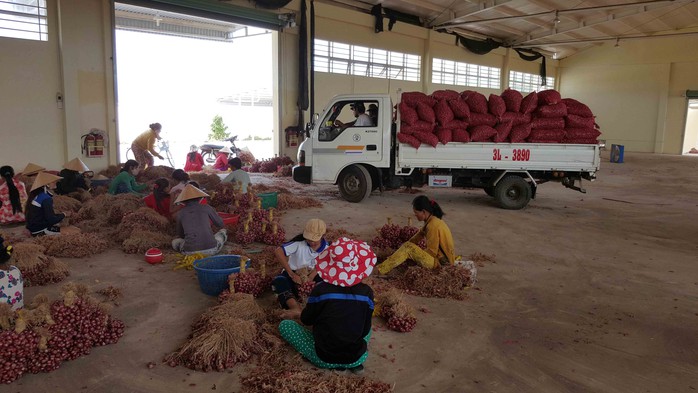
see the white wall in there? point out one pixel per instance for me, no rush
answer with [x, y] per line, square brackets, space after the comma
[32, 126]
[636, 89]
[71, 62]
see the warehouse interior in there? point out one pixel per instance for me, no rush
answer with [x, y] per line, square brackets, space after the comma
[577, 292]
[635, 55]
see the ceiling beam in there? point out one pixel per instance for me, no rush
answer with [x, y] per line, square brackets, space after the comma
[482, 7]
[425, 4]
[561, 12]
[595, 21]
[602, 39]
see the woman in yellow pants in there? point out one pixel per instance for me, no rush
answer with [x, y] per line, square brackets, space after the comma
[438, 237]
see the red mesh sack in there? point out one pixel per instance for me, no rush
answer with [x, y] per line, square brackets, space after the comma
[529, 103]
[428, 138]
[516, 118]
[460, 109]
[445, 95]
[457, 124]
[445, 135]
[496, 105]
[482, 119]
[524, 119]
[482, 133]
[548, 122]
[412, 98]
[575, 107]
[554, 110]
[419, 126]
[549, 97]
[409, 139]
[547, 135]
[519, 133]
[476, 101]
[503, 131]
[576, 121]
[407, 113]
[461, 135]
[512, 99]
[443, 112]
[426, 112]
[582, 133]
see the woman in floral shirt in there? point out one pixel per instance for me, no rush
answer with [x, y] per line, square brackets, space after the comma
[11, 283]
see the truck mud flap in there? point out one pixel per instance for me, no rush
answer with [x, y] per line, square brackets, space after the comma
[303, 174]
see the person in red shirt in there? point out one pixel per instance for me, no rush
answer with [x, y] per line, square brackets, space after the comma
[221, 163]
[159, 199]
[194, 160]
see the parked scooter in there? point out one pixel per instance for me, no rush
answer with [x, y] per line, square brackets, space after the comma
[209, 151]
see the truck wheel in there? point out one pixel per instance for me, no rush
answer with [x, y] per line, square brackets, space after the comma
[489, 190]
[512, 192]
[355, 183]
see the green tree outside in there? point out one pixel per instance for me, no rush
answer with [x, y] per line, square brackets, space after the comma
[218, 129]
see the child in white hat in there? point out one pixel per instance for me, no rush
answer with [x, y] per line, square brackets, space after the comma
[298, 253]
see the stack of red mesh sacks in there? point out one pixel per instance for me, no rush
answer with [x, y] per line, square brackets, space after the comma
[449, 116]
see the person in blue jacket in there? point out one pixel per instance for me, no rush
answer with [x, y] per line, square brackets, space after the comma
[41, 219]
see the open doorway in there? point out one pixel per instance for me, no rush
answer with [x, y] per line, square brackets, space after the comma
[193, 75]
[690, 134]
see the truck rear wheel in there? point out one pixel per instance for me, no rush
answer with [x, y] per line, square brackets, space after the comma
[512, 192]
[355, 183]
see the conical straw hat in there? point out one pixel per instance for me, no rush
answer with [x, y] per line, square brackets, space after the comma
[43, 179]
[225, 150]
[32, 169]
[76, 165]
[190, 192]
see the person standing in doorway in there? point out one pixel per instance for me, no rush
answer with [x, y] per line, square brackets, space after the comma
[144, 146]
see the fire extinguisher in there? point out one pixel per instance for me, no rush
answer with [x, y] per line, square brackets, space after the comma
[93, 143]
[99, 145]
[88, 144]
[291, 136]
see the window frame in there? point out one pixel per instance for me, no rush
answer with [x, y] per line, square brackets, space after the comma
[457, 73]
[24, 19]
[526, 82]
[358, 60]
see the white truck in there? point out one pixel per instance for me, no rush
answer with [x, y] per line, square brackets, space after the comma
[362, 159]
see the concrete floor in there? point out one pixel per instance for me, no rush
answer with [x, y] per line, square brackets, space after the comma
[589, 293]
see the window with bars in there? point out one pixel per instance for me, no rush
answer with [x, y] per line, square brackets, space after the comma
[339, 58]
[448, 72]
[527, 83]
[25, 19]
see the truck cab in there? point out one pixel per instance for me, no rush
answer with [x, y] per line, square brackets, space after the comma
[344, 149]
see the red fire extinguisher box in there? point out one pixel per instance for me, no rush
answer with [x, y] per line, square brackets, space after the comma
[291, 136]
[93, 143]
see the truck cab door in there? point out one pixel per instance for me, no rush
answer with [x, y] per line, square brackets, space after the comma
[339, 146]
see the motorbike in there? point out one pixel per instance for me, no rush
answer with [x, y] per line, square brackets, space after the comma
[209, 151]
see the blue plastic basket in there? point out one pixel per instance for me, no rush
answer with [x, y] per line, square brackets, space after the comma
[213, 272]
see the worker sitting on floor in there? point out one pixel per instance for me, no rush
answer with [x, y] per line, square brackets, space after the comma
[439, 240]
[339, 309]
[41, 219]
[73, 177]
[194, 233]
[125, 181]
[222, 158]
[240, 177]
